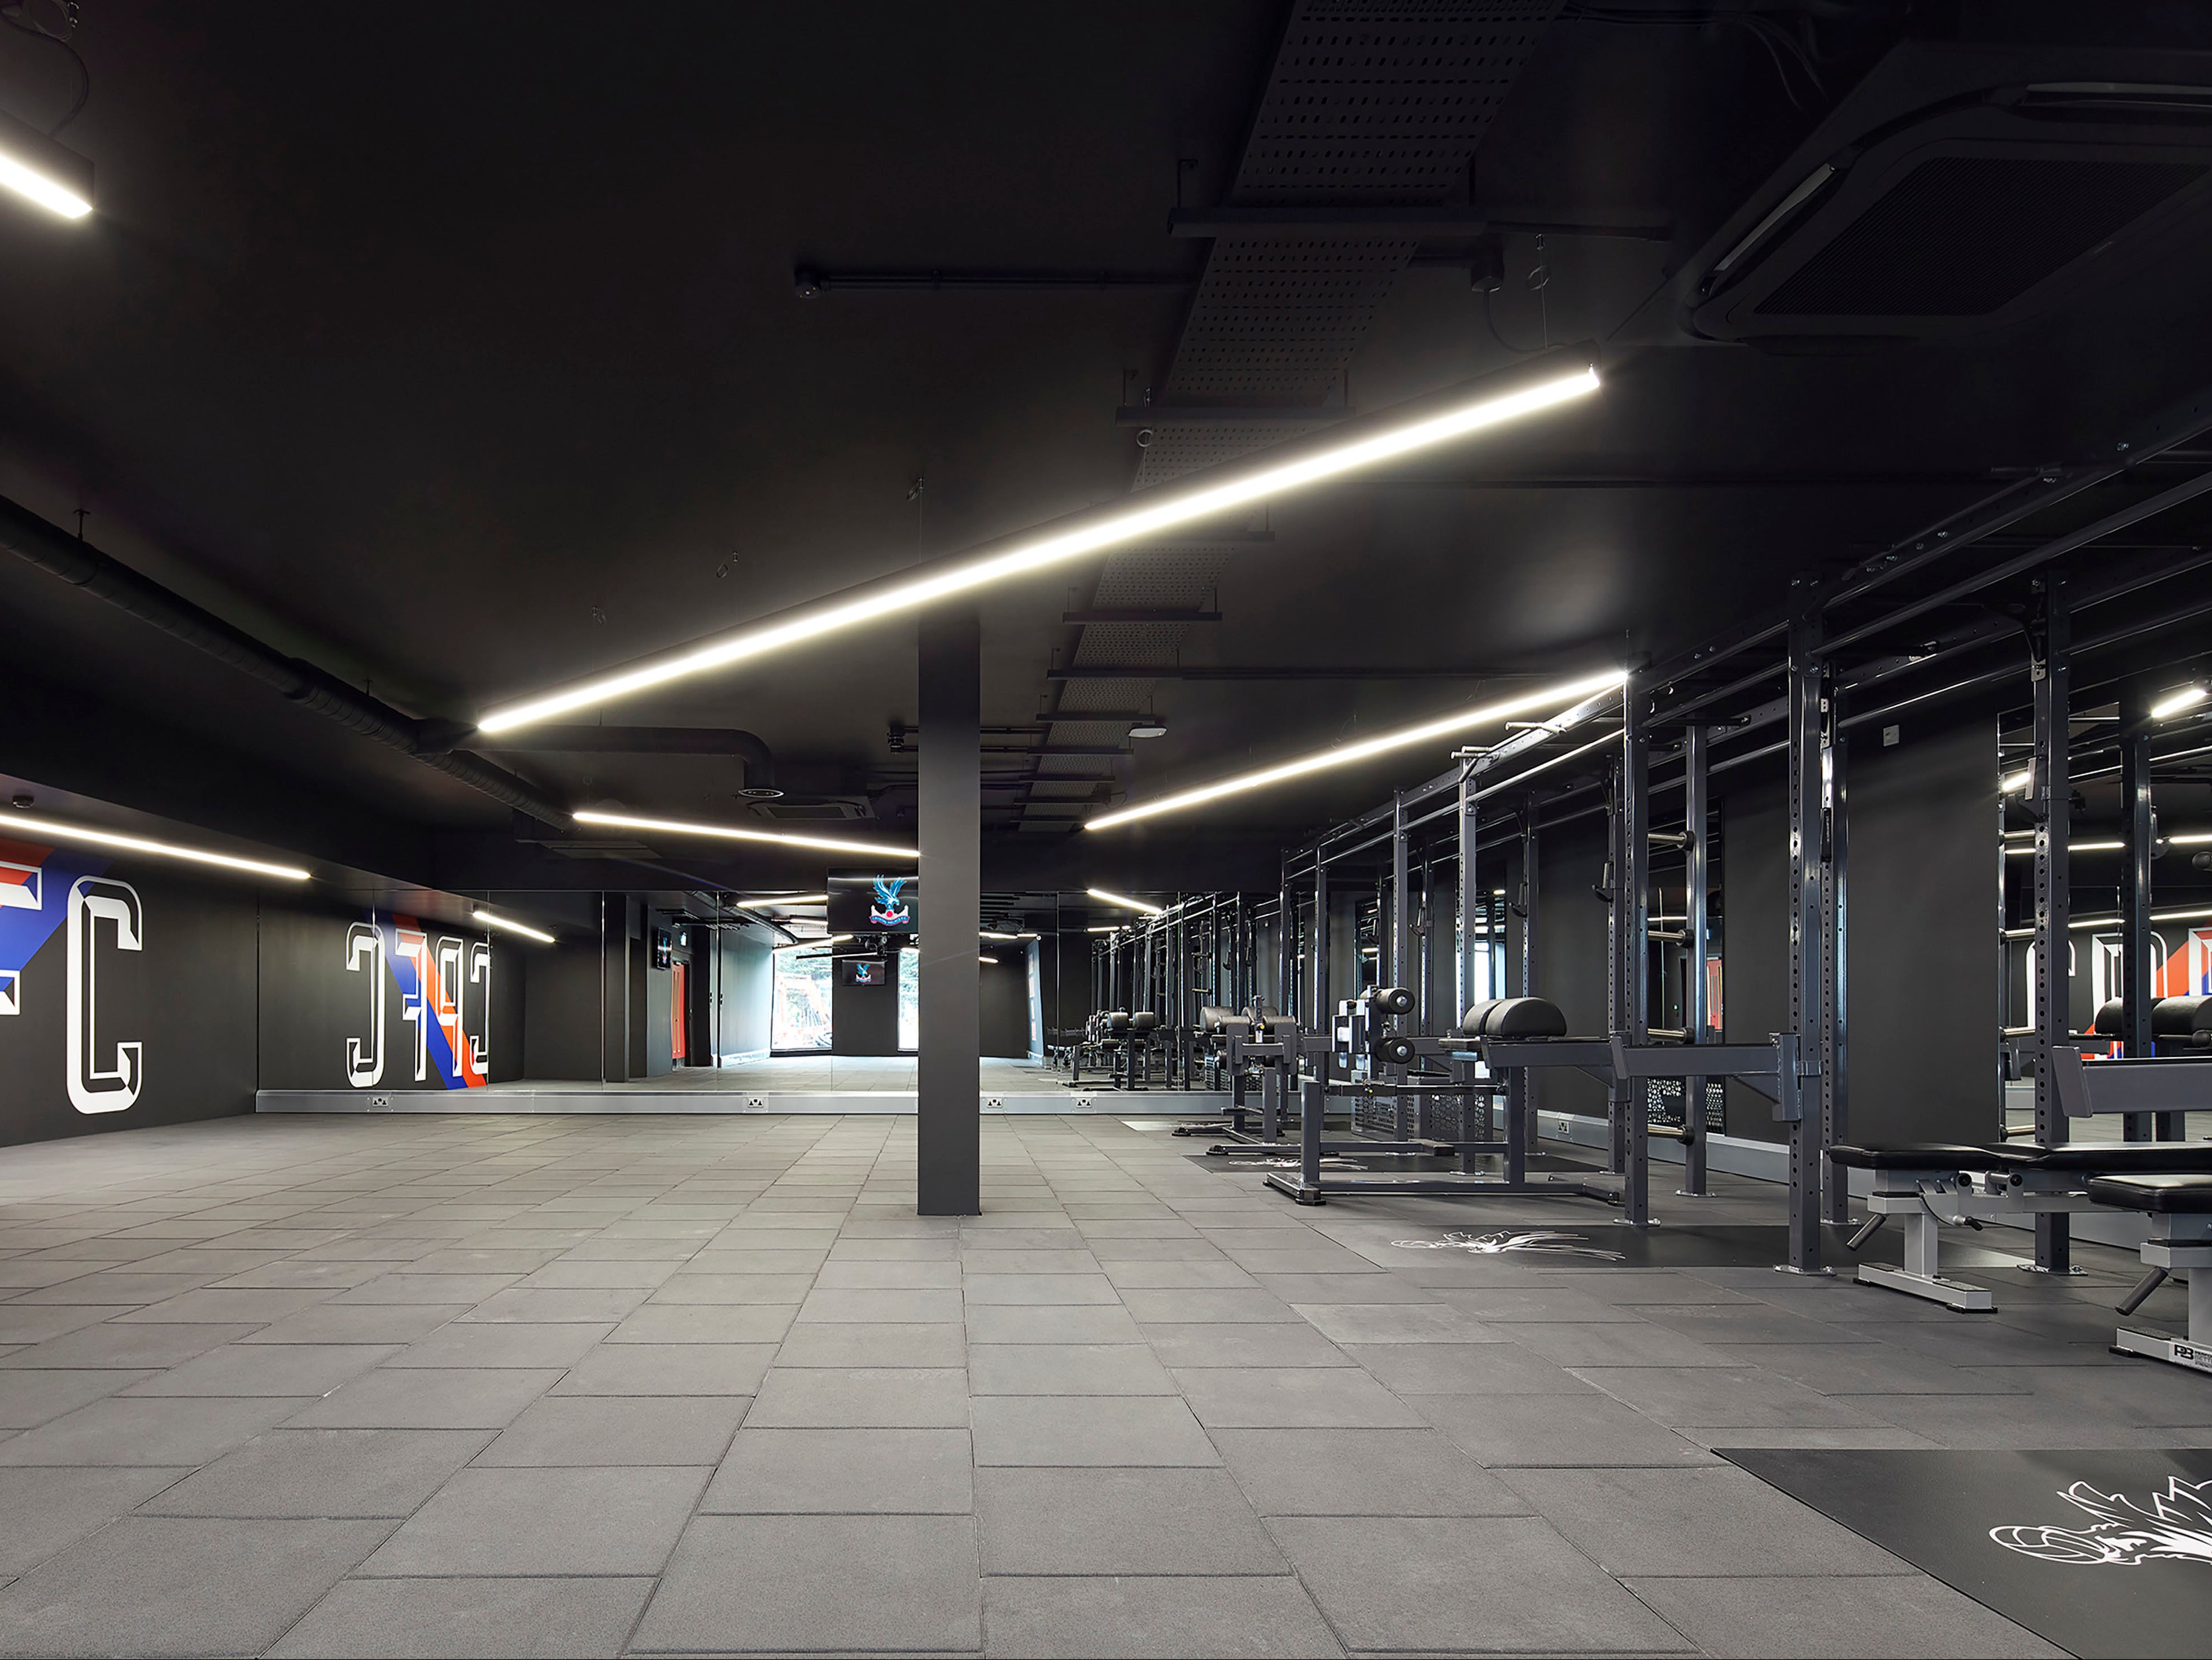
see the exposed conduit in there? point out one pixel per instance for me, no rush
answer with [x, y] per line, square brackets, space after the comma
[57, 553]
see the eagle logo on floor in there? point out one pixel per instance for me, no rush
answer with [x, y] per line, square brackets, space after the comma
[1539, 1241]
[2177, 1527]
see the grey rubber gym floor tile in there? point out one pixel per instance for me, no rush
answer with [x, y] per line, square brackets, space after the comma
[732, 1288]
[1371, 1287]
[331, 1322]
[1973, 1341]
[519, 1305]
[469, 1289]
[1143, 1618]
[799, 1592]
[1907, 1618]
[544, 1522]
[43, 1511]
[1485, 1368]
[1119, 1522]
[1617, 1343]
[1508, 1583]
[31, 1397]
[572, 1273]
[897, 1274]
[1294, 1397]
[1396, 1323]
[1851, 1369]
[1052, 1324]
[1180, 1274]
[861, 1397]
[840, 1345]
[324, 1472]
[1033, 1290]
[614, 1429]
[668, 1369]
[167, 1585]
[845, 1472]
[1361, 1472]
[283, 1369]
[432, 1619]
[1548, 1300]
[991, 1259]
[22, 1323]
[1511, 1431]
[1105, 1430]
[1175, 1307]
[1066, 1369]
[128, 1349]
[121, 1287]
[706, 1322]
[1299, 1345]
[470, 1344]
[1703, 1396]
[177, 1431]
[923, 1307]
[1693, 1523]
[426, 1397]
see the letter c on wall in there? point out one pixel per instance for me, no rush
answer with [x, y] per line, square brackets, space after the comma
[92, 1086]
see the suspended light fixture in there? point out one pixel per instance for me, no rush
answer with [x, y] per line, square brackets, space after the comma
[732, 833]
[1347, 754]
[1424, 424]
[42, 170]
[1126, 902]
[14, 823]
[514, 927]
[2173, 703]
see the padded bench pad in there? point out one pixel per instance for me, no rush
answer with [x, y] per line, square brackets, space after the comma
[2169, 1195]
[2103, 1158]
[1514, 1017]
[1925, 1155]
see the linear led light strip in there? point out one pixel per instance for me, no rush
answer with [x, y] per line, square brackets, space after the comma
[795, 902]
[801, 945]
[2155, 916]
[2195, 839]
[1348, 754]
[1152, 512]
[514, 927]
[60, 831]
[730, 833]
[1126, 902]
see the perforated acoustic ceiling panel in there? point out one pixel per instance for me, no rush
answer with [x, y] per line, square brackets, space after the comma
[1371, 103]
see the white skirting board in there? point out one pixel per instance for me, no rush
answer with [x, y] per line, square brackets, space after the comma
[591, 1098]
[1769, 1161]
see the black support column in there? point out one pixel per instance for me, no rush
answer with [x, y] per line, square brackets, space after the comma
[948, 1177]
[1808, 957]
[1631, 909]
[1696, 922]
[2139, 826]
[2050, 803]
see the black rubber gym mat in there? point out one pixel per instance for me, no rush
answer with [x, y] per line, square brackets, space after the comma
[2102, 1552]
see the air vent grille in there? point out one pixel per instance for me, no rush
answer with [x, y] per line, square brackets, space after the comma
[1965, 236]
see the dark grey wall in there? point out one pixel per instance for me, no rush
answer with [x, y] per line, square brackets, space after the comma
[864, 1019]
[561, 1011]
[1755, 954]
[186, 996]
[313, 1005]
[1003, 1017]
[1922, 955]
[1571, 964]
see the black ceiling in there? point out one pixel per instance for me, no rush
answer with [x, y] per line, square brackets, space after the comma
[460, 352]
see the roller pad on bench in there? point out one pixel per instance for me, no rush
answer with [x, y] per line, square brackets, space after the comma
[1925, 1155]
[2167, 1195]
[2103, 1158]
[1514, 1017]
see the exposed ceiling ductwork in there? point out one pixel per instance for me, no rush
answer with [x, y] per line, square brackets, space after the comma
[760, 763]
[55, 552]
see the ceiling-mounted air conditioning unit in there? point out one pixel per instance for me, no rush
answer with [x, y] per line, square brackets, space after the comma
[1971, 214]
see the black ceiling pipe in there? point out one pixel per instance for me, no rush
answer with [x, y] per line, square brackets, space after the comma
[760, 763]
[57, 553]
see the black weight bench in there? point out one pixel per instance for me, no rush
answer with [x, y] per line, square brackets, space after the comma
[2180, 1209]
[1925, 1185]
